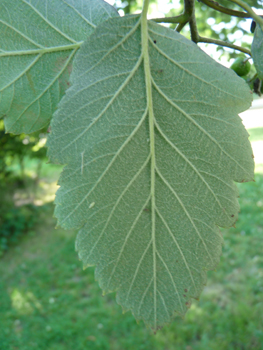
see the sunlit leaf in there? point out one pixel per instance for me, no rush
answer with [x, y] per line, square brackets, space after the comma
[153, 143]
[38, 40]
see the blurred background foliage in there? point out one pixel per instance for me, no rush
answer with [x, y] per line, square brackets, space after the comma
[19, 183]
[15, 150]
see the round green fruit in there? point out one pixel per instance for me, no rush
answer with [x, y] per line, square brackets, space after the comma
[241, 66]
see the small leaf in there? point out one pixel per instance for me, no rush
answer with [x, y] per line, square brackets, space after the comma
[38, 40]
[257, 51]
[153, 141]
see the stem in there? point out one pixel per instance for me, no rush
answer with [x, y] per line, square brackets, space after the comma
[216, 6]
[249, 10]
[145, 9]
[253, 78]
[223, 43]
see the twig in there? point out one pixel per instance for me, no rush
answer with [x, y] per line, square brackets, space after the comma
[189, 7]
[216, 6]
[253, 78]
[177, 19]
[223, 43]
[182, 19]
[180, 27]
[249, 10]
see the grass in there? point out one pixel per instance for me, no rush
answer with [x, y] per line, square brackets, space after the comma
[47, 302]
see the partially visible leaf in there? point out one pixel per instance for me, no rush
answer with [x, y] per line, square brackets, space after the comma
[38, 40]
[153, 141]
[257, 51]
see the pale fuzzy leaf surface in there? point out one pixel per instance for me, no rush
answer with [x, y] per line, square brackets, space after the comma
[257, 51]
[38, 40]
[149, 203]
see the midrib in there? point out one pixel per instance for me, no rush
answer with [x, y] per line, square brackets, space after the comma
[147, 72]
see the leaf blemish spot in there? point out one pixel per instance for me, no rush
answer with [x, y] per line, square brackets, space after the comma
[91, 205]
[155, 41]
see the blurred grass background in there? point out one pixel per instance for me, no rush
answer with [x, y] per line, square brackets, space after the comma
[47, 302]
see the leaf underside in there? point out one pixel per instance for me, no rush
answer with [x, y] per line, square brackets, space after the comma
[151, 242]
[37, 45]
[257, 51]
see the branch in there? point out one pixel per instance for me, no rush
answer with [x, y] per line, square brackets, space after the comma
[177, 19]
[216, 6]
[249, 10]
[223, 43]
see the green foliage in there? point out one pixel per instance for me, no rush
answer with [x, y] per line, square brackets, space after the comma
[14, 148]
[241, 66]
[150, 135]
[14, 223]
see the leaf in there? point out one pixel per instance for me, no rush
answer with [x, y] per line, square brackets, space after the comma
[153, 142]
[37, 45]
[257, 51]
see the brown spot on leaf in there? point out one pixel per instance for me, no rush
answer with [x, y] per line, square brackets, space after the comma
[186, 290]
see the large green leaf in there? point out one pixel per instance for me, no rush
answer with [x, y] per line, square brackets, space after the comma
[153, 141]
[257, 51]
[38, 39]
